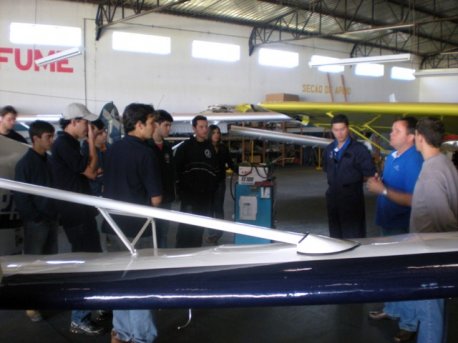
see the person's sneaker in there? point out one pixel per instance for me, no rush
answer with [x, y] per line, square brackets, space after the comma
[404, 336]
[379, 315]
[34, 315]
[115, 339]
[86, 329]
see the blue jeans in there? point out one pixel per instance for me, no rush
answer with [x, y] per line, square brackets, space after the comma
[81, 316]
[430, 316]
[136, 325]
[40, 238]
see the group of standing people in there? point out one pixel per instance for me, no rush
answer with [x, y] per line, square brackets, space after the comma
[417, 192]
[140, 168]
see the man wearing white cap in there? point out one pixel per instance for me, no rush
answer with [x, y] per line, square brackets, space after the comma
[72, 171]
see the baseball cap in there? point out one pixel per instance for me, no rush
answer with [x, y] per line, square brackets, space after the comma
[77, 110]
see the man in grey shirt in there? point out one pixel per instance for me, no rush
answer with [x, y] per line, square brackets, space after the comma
[435, 198]
[434, 209]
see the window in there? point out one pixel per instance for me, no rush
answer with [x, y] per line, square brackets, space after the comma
[370, 69]
[215, 51]
[278, 58]
[22, 33]
[399, 73]
[327, 69]
[136, 42]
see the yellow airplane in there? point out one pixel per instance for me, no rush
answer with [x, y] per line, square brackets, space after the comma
[367, 116]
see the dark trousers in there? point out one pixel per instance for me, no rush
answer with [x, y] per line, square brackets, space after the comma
[162, 228]
[84, 236]
[190, 236]
[346, 214]
[218, 207]
[40, 238]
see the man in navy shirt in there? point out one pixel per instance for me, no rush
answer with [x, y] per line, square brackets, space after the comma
[132, 174]
[72, 171]
[347, 164]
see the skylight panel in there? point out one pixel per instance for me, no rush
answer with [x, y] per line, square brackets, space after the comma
[399, 73]
[370, 69]
[23, 33]
[215, 51]
[136, 42]
[278, 58]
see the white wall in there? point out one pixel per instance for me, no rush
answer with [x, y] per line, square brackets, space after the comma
[177, 82]
[439, 89]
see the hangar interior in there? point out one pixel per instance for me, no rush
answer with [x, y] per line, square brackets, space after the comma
[180, 82]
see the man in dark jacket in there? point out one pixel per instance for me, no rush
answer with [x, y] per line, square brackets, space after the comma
[8, 116]
[38, 214]
[72, 171]
[196, 167]
[164, 154]
[347, 164]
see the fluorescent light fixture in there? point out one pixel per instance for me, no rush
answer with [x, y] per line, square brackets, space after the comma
[58, 56]
[369, 59]
[399, 73]
[327, 68]
[136, 42]
[278, 58]
[381, 28]
[370, 69]
[215, 51]
[23, 33]
[52, 118]
[437, 72]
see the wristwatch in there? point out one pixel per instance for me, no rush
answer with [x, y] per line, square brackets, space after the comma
[385, 192]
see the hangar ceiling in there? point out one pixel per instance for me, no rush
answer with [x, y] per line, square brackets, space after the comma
[426, 28]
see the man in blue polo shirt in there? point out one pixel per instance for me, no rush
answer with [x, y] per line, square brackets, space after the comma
[395, 190]
[132, 174]
[400, 174]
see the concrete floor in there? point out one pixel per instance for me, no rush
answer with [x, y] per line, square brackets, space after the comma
[300, 207]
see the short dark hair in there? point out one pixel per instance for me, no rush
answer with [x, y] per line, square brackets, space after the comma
[98, 123]
[8, 109]
[64, 123]
[197, 118]
[135, 112]
[340, 118]
[162, 116]
[411, 124]
[432, 129]
[38, 127]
